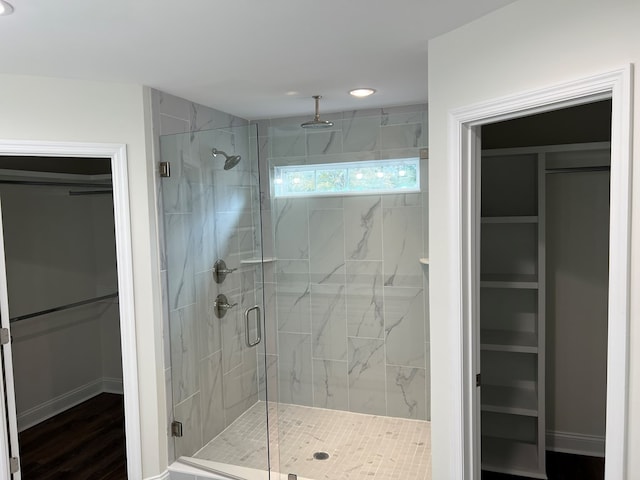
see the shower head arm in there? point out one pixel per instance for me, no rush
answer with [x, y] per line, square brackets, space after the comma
[215, 151]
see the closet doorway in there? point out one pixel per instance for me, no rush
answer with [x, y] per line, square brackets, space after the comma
[65, 401]
[544, 245]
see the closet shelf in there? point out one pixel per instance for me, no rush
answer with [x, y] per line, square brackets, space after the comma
[511, 219]
[512, 457]
[511, 400]
[508, 341]
[499, 280]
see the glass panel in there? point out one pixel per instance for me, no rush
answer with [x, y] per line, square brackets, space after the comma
[211, 213]
[350, 316]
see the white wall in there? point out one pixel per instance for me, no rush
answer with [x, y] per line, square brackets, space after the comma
[527, 45]
[35, 108]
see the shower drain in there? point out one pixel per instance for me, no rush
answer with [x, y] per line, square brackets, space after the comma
[321, 455]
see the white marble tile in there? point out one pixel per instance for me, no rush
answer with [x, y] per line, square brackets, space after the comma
[329, 322]
[401, 136]
[184, 353]
[360, 133]
[209, 335]
[324, 203]
[168, 396]
[402, 200]
[269, 317]
[293, 293]
[232, 334]
[166, 329]
[330, 384]
[324, 142]
[211, 396]
[287, 141]
[204, 237]
[326, 246]
[171, 125]
[295, 369]
[391, 117]
[404, 326]
[176, 189]
[188, 413]
[180, 269]
[363, 227]
[403, 246]
[406, 392]
[268, 378]
[365, 305]
[366, 376]
[291, 228]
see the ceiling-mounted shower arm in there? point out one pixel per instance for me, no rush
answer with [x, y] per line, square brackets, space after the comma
[317, 98]
[316, 122]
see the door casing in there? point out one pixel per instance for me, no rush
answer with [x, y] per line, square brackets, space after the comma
[463, 158]
[124, 258]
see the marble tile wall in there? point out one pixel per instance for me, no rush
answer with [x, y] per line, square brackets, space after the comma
[205, 213]
[350, 319]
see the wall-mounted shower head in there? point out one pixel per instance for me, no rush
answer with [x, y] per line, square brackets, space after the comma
[230, 160]
[316, 122]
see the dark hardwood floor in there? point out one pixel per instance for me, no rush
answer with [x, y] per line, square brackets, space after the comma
[85, 442]
[562, 466]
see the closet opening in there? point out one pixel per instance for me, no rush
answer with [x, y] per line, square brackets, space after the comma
[62, 285]
[543, 195]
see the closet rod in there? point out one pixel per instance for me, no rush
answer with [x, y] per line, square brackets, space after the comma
[62, 307]
[73, 193]
[35, 183]
[578, 169]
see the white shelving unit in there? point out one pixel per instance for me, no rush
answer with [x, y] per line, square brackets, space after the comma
[512, 312]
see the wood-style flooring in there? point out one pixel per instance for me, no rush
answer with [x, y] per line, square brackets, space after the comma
[562, 466]
[84, 443]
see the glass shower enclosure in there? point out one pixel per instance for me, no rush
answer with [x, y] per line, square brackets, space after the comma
[215, 297]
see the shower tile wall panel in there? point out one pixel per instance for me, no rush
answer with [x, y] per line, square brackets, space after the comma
[205, 214]
[351, 312]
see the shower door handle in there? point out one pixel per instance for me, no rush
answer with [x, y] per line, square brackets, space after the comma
[258, 326]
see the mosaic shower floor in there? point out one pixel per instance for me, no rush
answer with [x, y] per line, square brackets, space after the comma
[359, 446]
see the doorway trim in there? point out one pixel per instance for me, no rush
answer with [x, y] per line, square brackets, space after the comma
[124, 260]
[464, 152]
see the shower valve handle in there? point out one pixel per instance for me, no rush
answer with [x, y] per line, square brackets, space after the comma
[220, 271]
[221, 305]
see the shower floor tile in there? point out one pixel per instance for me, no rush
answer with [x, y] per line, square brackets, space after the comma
[359, 446]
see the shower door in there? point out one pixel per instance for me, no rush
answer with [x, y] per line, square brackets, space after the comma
[214, 307]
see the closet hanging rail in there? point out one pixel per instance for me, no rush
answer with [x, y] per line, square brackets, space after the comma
[63, 307]
[578, 169]
[43, 183]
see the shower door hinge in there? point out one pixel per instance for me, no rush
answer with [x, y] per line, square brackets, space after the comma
[176, 429]
[14, 464]
[165, 169]
[4, 336]
[478, 379]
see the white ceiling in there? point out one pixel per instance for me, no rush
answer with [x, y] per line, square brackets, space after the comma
[239, 56]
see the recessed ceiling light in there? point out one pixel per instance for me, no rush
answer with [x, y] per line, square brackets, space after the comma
[5, 8]
[362, 92]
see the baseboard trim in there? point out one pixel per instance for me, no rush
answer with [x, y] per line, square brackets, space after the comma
[576, 443]
[59, 404]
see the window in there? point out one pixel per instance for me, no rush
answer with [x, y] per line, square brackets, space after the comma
[348, 178]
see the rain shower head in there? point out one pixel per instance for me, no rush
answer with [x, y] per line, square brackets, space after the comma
[316, 122]
[230, 160]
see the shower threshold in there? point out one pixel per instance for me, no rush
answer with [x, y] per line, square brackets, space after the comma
[222, 471]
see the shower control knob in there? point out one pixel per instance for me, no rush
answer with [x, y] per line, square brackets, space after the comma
[220, 271]
[221, 305]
